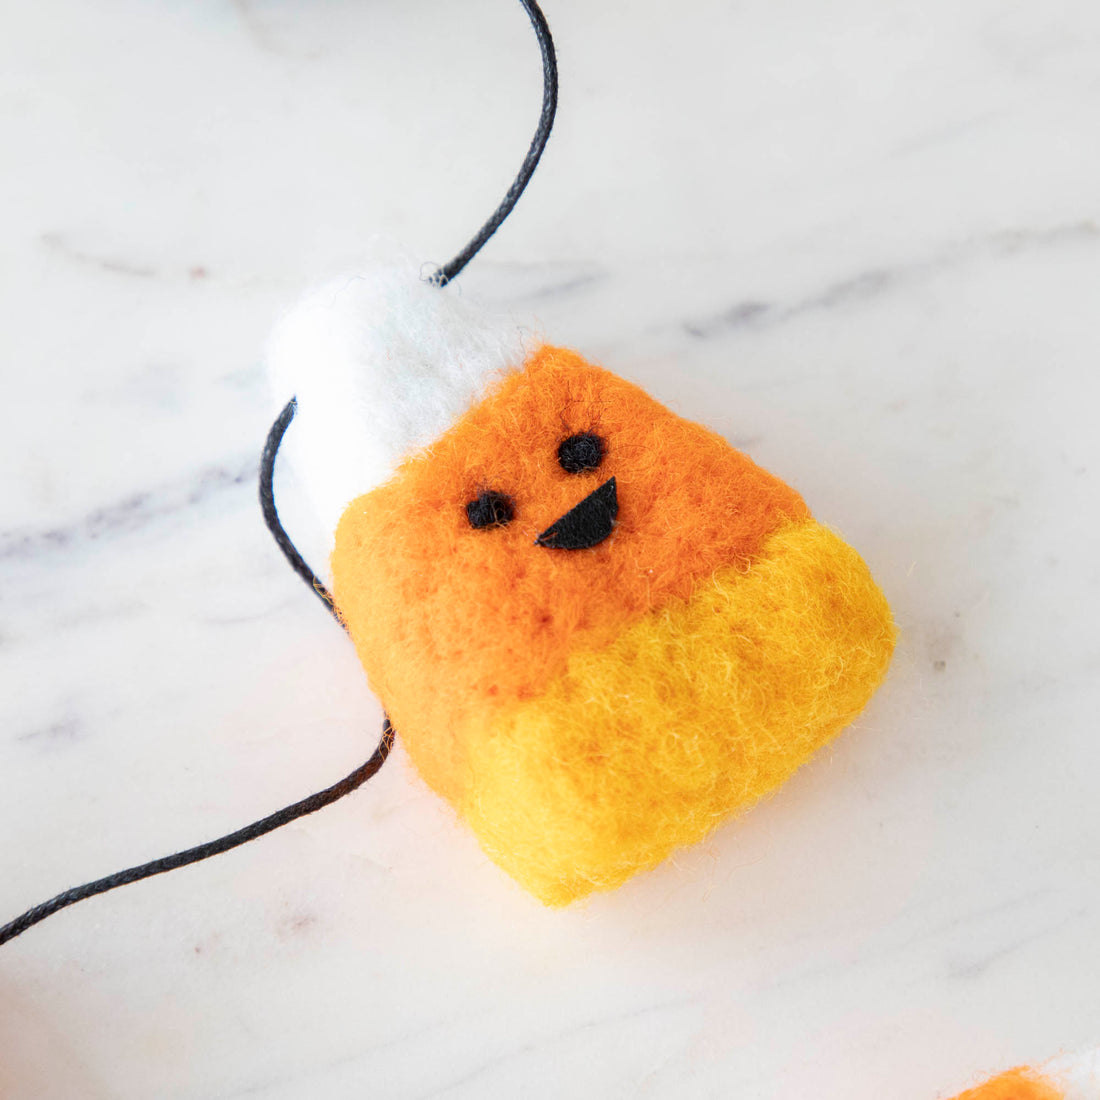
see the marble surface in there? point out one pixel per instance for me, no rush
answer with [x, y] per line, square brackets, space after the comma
[860, 239]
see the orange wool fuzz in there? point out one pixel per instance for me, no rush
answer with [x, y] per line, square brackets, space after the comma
[448, 620]
[587, 710]
[1017, 1084]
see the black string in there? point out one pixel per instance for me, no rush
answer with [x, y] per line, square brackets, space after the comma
[271, 517]
[271, 514]
[542, 134]
[211, 848]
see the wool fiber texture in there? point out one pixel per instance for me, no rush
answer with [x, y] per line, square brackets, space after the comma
[1068, 1077]
[382, 364]
[1016, 1084]
[451, 621]
[691, 714]
[589, 711]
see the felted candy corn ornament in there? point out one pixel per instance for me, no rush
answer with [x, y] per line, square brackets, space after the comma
[598, 628]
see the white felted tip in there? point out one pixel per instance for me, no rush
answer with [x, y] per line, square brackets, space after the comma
[1077, 1075]
[382, 363]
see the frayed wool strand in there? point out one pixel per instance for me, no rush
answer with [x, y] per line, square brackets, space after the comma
[1068, 1077]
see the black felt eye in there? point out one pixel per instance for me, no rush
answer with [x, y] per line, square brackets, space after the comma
[580, 452]
[490, 509]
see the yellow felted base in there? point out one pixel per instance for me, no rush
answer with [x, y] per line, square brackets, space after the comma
[694, 713]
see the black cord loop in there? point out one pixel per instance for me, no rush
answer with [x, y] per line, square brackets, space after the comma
[271, 514]
[212, 848]
[542, 134]
[271, 517]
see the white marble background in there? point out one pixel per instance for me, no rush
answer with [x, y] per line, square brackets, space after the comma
[861, 238]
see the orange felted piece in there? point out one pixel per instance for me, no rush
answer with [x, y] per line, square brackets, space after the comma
[1017, 1084]
[451, 622]
[691, 715]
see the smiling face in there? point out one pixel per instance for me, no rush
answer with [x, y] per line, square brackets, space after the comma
[451, 577]
[597, 627]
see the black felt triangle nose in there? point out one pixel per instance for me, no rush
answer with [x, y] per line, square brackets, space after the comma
[586, 524]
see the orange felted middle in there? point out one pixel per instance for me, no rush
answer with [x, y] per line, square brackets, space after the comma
[1016, 1084]
[449, 620]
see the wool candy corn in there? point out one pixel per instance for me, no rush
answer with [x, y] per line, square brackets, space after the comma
[598, 628]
